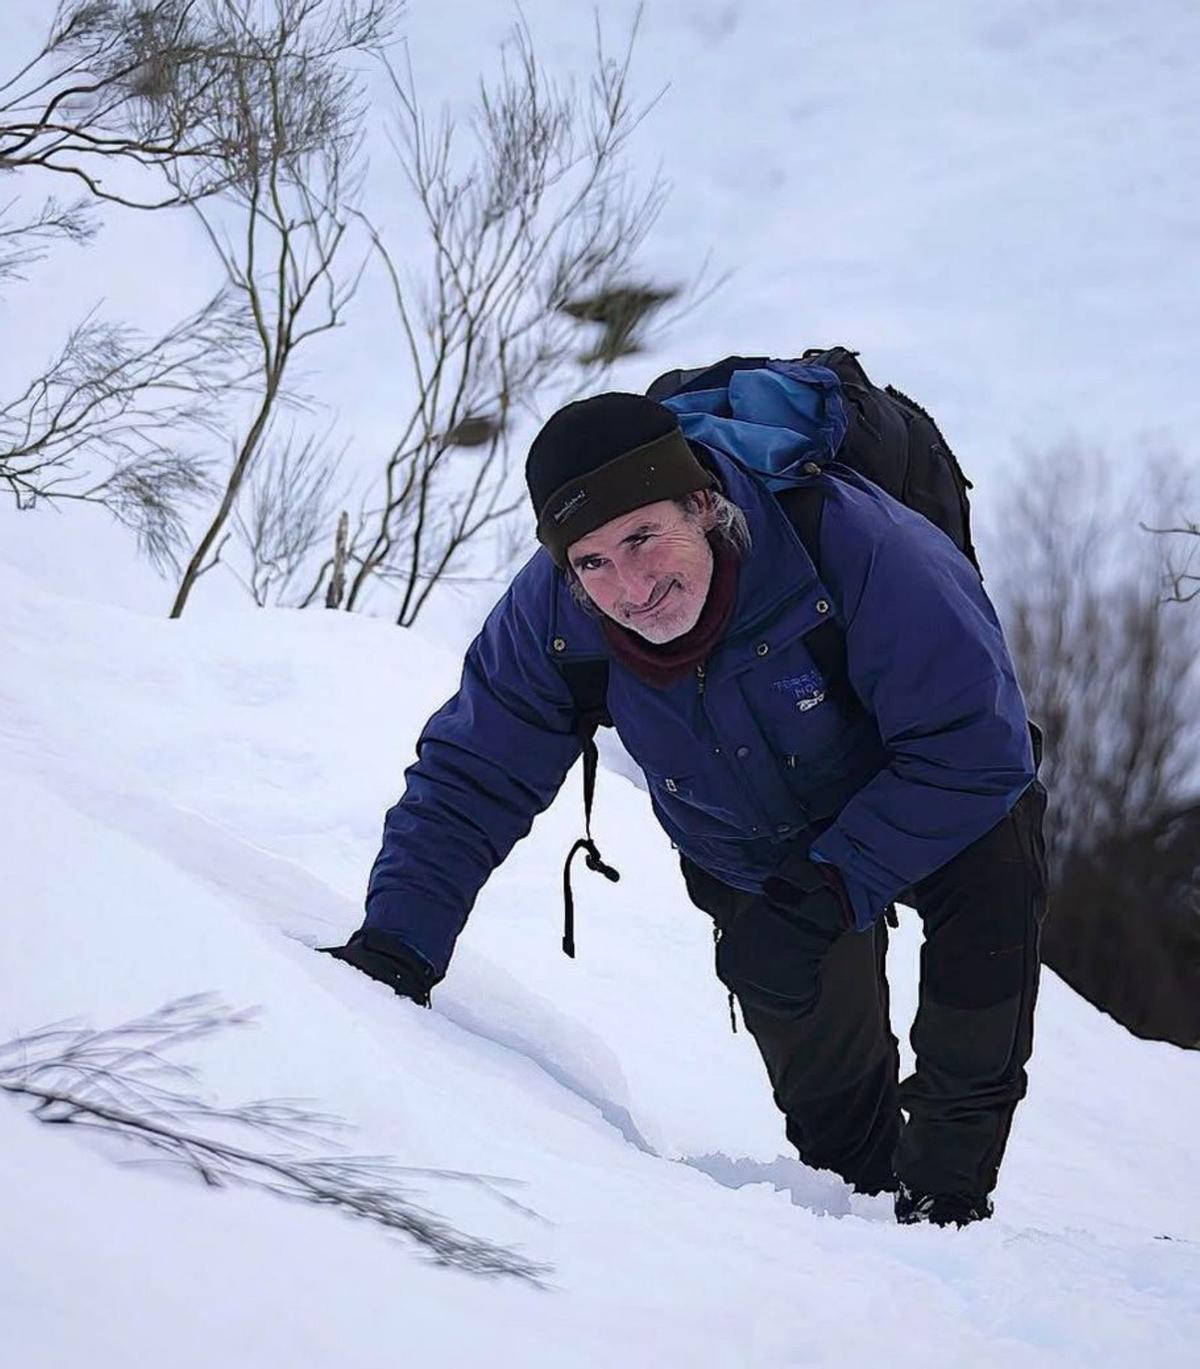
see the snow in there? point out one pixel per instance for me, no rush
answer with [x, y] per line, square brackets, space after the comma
[191, 806]
[991, 202]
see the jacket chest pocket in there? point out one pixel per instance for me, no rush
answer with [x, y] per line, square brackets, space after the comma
[704, 804]
[806, 718]
[680, 761]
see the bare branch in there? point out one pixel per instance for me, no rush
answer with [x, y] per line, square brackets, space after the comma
[24, 243]
[540, 215]
[1182, 542]
[143, 102]
[110, 420]
[294, 117]
[119, 1082]
[288, 510]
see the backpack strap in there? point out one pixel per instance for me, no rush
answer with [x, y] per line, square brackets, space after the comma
[588, 683]
[805, 506]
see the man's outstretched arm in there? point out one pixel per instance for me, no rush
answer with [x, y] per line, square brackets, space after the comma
[488, 761]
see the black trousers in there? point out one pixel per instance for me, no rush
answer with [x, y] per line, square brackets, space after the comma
[835, 1069]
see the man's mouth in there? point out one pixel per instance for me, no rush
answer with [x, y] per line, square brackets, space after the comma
[653, 604]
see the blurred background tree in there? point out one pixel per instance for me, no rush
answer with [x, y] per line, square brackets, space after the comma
[1108, 659]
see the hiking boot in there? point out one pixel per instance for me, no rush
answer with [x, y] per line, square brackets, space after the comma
[941, 1209]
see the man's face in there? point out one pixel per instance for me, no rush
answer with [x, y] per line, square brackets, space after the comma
[649, 570]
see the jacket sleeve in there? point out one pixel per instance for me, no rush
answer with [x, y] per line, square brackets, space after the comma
[488, 761]
[926, 656]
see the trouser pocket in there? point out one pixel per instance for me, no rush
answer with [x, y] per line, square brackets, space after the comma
[768, 956]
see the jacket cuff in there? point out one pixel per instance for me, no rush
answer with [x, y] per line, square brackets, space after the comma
[412, 927]
[866, 905]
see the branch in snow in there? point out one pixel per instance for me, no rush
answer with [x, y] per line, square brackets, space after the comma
[118, 1081]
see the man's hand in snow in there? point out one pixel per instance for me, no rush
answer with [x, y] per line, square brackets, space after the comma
[387, 960]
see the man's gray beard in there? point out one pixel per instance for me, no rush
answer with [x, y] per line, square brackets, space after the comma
[660, 633]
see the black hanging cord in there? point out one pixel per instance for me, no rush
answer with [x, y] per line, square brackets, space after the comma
[592, 859]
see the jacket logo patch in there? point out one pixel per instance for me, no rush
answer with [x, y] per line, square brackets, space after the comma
[806, 691]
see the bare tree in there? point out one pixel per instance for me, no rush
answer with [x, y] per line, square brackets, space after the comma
[119, 1082]
[130, 99]
[109, 420]
[1109, 672]
[1183, 559]
[295, 115]
[541, 213]
[151, 104]
[289, 507]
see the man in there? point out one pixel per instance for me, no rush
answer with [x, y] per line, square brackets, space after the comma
[802, 804]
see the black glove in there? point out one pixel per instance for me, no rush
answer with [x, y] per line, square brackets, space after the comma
[388, 960]
[813, 893]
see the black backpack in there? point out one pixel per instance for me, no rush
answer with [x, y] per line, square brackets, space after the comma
[891, 441]
[890, 438]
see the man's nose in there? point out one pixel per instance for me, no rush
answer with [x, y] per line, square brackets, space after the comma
[636, 583]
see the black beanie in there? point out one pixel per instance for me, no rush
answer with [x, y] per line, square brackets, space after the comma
[601, 457]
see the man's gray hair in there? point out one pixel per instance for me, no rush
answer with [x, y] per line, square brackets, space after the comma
[729, 527]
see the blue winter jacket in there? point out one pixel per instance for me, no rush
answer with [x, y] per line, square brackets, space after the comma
[753, 758]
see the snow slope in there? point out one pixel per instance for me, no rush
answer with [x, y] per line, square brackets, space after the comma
[992, 201]
[189, 807]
